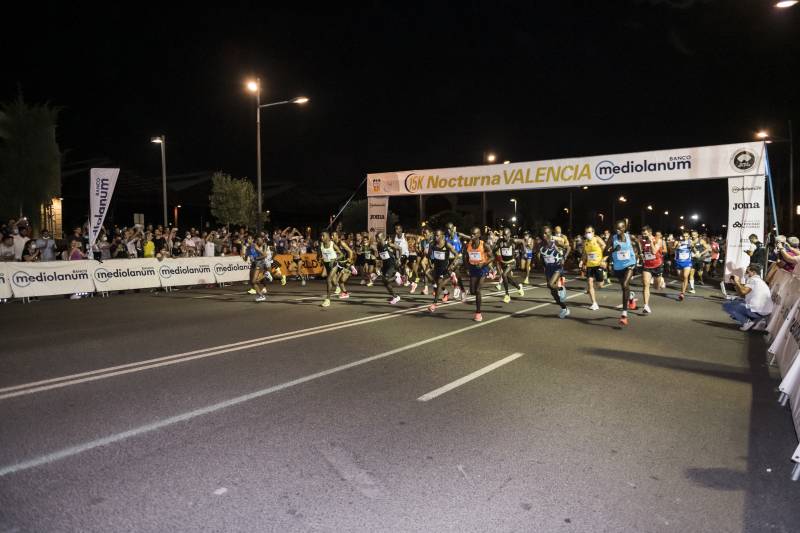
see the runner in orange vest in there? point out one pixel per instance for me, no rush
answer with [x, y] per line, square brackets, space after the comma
[479, 255]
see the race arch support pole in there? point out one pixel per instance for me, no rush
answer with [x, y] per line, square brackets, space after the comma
[335, 218]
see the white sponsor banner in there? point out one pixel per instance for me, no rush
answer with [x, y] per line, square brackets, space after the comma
[680, 164]
[186, 271]
[101, 187]
[5, 282]
[377, 211]
[745, 218]
[52, 277]
[230, 269]
[126, 274]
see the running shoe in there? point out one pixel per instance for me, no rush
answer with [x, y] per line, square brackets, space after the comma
[261, 298]
[416, 280]
[264, 290]
[302, 282]
[326, 302]
[680, 297]
[646, 310]
[761, 325]
[594, 307]
[618, 306]
[338, 290]
[283, 281]
[691, 291]
[498, 287]
[344, 295]
[370, 284]
[747, 325]
[425, 290]
[363, 282]
[398, 279]
[564, 313]
[526, 281]
[453, 277]
[456, 293]
[432, 308]
[268, 276]
[406, 283]
[394, 300]
[353, 270]
[445, 298]
[373, 276]
[251, 291]
[478, 317]
[464, 296]
[521, 291]
[413, 287]
[506, 299]
[623, 320]
[632, 304]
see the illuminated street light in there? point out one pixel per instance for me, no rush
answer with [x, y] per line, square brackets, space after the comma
[585, 187]
[513, 219]
[762, 134]
[252, 86]
[649, 207]
[695, 216]
[300, 100]
[623, 199]
[666, 212]
[491, 158]
[681, 217]
[783, 4]
[162, 142]
[506, 162]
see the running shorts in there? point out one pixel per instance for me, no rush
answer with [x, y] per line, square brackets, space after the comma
[595, 272]
[656, 272]
[681, 265]
[440, 272]
[360, 261]
[388, 270]
[478, 272]
[620, 274]
[697, 264]
[551, 268]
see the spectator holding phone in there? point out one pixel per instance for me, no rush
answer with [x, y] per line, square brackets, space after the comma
[755, 300]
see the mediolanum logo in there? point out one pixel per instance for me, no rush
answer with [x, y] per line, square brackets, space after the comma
[23, 279]
[743, 160]
[606, 170]
[221, 269]
[735, 189]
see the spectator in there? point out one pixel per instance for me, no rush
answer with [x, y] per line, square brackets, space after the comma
[118, 248]
[149, 247]
[188, 246]
[210, 249]
[159, 241]
[20, 240]
[755, 302]
[75, 253]
[31, 254]
[104, 247]
[757, 253]
[47, 246]
[77, 235]
[7, 248]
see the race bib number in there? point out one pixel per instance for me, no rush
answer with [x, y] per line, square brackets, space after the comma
[684, 256]
[384, 255]
[549, 259]
[328, 255]
[649, 256]
[592, 256]
[367, 255]
[622, 255]
[475, 257]
[439, 255]
[506, 251]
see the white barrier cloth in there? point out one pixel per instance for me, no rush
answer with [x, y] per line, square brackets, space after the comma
[377, 211]
[745, 218]
[101, 188]
[230, 269]
[187, 271]
[680, 164]
[126, 274]
[5, 282]
[46, 279]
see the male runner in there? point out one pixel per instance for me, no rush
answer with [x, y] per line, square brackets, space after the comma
[423, 249]
[401, 247]
[505, 260]
[479, 255]
[413, 262]
[258, 268]
[592, 260]
[296, 248]
[682, 249]
[526, 262]
[623, 252]
[652, 249]
[453, 238]
[344, 259]
[441, 254]
[553, 251]
[328, 254]
[700, 250]
[387, 251]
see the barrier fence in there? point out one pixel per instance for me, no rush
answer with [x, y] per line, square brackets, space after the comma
[26, 280]
[783, 331]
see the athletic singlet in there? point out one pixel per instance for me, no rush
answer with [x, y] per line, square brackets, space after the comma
[552, 254]
[477, 255]
[329, 253]
[439, 256]
[683, 254]
[455, 242]
[594, 253]
[714, 250]
[268, 256]
[252, 252]
[653, 256]
[412, 246]
[698, 249]
[366, 251]
[424, 246]
[505, 250]
[624, 257]
[385, 254]
[401, 243]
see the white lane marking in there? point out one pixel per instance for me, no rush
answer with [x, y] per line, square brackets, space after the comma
[469, 377]
[220, 491]
[141, 430]
[147, 364]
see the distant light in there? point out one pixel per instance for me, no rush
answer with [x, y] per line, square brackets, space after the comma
[252, 86]
[566, 210]
[157, 140]
[424, 224]
[490, 158]
[178, 206]
[695, 216]
[797, 209]
[681, 217]
[681, 227]
[762, 134]
[300, 100]
[623, 199]
[506, 162]
[724, 225]
[666, 212]
[513, 219]
[783, 4]
[649, 207]
[513, 200]
[585, 187]
[768, 141]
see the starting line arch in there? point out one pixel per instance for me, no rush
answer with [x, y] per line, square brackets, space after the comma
[744, 165]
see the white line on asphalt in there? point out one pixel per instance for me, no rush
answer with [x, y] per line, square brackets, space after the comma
[141, 430]
[469, 377]
[138, 366]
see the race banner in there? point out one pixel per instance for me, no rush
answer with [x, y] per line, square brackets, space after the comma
[680, 164]
[745, 218]
[50, 278]
[310, 263]
[101, 187]
[126, 274]
[5, 282]
[231, 268]
[377, 210]
[187, 271]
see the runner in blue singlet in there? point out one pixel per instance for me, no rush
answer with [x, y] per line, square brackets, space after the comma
[623, 251]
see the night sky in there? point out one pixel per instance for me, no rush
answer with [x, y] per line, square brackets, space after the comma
[410, 86]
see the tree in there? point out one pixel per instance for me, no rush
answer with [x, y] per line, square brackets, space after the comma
[233, 201]
[30, 160]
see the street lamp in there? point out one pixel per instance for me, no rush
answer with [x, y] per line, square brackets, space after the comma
[666, 212]
[254, 86]
[175, 214]
[763, 134]
[783, 4]
[506, 162]
[623, 199]
[694, 216]
[491, 158]
[162, 141]
[515, 206]
[649, 207]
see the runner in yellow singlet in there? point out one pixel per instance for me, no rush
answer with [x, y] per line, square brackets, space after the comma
[594, 262]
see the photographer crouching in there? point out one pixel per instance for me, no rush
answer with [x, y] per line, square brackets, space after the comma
[754, 304]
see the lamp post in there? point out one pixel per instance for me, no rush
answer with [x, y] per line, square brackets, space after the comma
[488, 157]
[515, 205]
[767, 138]
[254, 86]
[162, 141]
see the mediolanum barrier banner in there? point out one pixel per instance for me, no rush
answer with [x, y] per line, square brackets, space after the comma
[46, 279]
[230, 269]
[187, 271]
[126, 274]
[5, 282]
[680, 164]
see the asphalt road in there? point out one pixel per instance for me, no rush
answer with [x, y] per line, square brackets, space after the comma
[200, 410]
